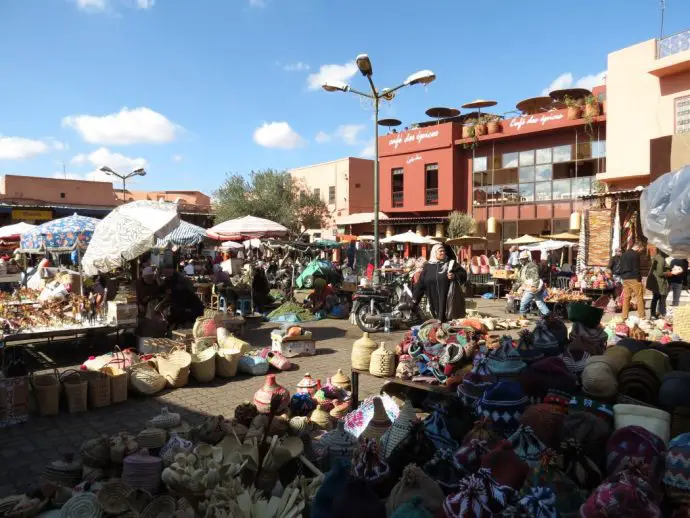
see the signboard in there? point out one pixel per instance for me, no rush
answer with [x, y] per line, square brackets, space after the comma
[32, 214]
[529, 121]
[419, 139]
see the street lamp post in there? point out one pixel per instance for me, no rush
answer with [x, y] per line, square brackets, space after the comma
[124, 177]
[364, 65]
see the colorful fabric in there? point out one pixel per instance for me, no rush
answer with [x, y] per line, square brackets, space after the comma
[601, 410]
[547, 473]
[358, 420]
[544, 340]
[539, 502]
[526, 348]
[479, 496]
[436, 429]
[477, 381]
[367, 463]
[441, 468]
[677, 474]
[625, 494]
[505, 362]
[578, 466]
[468, 459]
[63, 234]
[632, 445]
[503, 404]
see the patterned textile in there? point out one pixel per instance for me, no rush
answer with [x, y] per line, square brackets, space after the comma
[185, 234]
[624, 494]
[477, 381]
[441, 468]
[503, 404]
[538, 502]
[505, 362]
[63, 234]
[632, 445]
[527, 445]
[367, 463]
[479, 496]
[547, 473]
[436, 429]
[677, 475]
[468, 459]
[358, 420]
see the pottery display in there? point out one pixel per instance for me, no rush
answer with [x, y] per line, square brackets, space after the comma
[307, 385]
[262, 397]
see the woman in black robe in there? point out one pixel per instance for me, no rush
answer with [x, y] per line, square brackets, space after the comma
[442, 281]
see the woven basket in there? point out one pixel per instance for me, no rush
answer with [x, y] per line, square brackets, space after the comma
[138, 499]
[113, 497]
[145, 379]
[118, 383]
[152, 438]
[160, 506]
[99, 389]
[174, 367]
[681, 322]
[201, 344]
[362, 349]
[30, 511]
[82, 505]
[205, 327]
[227, 361]
[382, 362]
[46, 388]
[204, 365]
[76, 390]
[95, 452]
[230, 341]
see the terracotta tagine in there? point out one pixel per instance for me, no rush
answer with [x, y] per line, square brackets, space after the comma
[262, 397]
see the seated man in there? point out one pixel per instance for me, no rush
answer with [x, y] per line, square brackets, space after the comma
[529, 286]
[322, 298]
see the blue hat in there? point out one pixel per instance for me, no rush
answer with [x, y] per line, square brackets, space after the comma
[527, 445]
[476, 381]
[503, 404]
[505, 362]
[677, 474]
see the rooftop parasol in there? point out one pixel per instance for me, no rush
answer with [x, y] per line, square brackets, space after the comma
[573, 93]
[534, 105]
[466, 240]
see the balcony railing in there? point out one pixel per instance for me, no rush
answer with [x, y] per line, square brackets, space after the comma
[673, 44]
[398, 199]
[431, 197]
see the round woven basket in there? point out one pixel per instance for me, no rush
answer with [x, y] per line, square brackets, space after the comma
[145, 379]
[204, 365]
[118, 383]
[152, 438]
[382, 362]
[99, 389]
[113, 497]
[82, 505]
[361, 352]
[227, 361]
[46, 388]
[160, 506]
[174, 367]
[76, 390]
[95, 452]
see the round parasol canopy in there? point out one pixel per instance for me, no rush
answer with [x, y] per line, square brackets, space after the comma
[573, 93]
[14, 232]
[409, 237]
[564, 236]
[466, 240]
[247, 228]
[127, 232]
[479, 103]
[389, 123]
[59, 235]
[440, 112]
[524, 240]
[185, 234]
[365, 238]
[231, 245]
[534, 104]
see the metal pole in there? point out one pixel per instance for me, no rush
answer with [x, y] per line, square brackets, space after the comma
[124, 189]
[376, 189]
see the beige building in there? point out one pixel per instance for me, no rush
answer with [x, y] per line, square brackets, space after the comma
[648, 111]
[345, 185]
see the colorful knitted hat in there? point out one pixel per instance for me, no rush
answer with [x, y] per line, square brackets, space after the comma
[618, 357]
[468, 459]
[633, 445]
[503, 404]
[544, 375]
[601, 410]
[414, 483]
[656, 360]
[547, 473]
[479, 496]
[583, 343]
[476, 382]
[527, 445]
[584, 471]
[677, 474]
[575, 361]
[640, 382]
[436, 430]
[589, 431]
[558, 398]
[399, 430]
[558, 329]
[528, 351]
[598, 380]
[543, 339]
[367, 463]
[624, 494]
[538, 502]
[441, 468]
[505, 466]
[591, 339]
[505, 361]
[481, 431]
[545, 420]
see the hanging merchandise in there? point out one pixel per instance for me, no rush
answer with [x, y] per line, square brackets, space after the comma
[616, 240]
[598, 237]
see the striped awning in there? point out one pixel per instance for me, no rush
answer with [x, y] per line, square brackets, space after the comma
[185, 234]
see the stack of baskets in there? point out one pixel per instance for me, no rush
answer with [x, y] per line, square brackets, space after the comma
[174, 367]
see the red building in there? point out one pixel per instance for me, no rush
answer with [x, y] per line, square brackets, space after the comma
[529, 175]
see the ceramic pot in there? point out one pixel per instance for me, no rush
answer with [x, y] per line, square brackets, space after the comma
[262, 397]
[307, 385]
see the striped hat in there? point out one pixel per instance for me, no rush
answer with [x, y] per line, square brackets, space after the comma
[677, 474]
[479, 496]
[503, 404]
[505, 362]
[625, 494]
[634, 446]
[538, 502]
[476, 382]
[468, 459]
[527, 349]
[527, 445]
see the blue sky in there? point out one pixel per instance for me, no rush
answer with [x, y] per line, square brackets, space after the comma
[193, 89]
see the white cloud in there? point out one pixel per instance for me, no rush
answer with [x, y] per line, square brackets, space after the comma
[19, 148]
[103, 156]
[331, 73]
[322, 137]
[347, 133]
[296, 67]
[145, 4]
[177, 158]
[567, 80]
[277, 135]
[100, 176]
[92, 5]
[368, 151]
[135, 126]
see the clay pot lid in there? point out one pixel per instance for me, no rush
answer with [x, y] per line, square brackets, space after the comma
[307, 382]
[340, 377]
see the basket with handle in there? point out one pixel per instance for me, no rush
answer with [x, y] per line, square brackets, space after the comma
[174, 367]
[227, 361]
[145, 379]
[123, 359]
[99, 389]
[201, 344]
[118, 383]
[204, 365]
[76, 390]
[46, 389]
[681, 321]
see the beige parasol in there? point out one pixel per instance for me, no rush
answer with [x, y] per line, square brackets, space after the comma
[466, 240]
[564, 236]
[524, 240]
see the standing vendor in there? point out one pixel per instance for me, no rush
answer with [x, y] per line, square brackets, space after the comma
[147, 289]
[441, 280]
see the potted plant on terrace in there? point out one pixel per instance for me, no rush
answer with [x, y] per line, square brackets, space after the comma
[480, 126]
[468, 128]
[493, 124]
[574, 108]
[592, 107]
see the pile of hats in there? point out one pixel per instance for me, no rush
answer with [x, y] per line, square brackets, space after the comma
[659, 330]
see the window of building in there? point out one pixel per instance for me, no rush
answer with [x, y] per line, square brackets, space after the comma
[331, 194]
[62, 195]
[542, 191]
[543, 172]
[544, 156]
[510, 230]
[397, 187]
[479, 163]
[526, 158]
[562, 153]
[526, 174]
[510, 160]
[561, 189]
[357, 186]
[431, 184]
[317, 193]
[599, 149]
[683, 114]
[526, 192]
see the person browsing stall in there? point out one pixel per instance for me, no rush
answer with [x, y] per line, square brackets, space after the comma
[679, 271]
[529, 285]
[632, 280]
[441, 281]
[657, 283]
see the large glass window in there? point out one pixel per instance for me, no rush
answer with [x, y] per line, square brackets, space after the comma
[562, 153]
[599, 149]
[544, 156]
[526, 192]
[331, 195]
[561, 189]
[526, 174]
[479, 163]
[526, 158]
[543, 172]
[542, 192]
[510, 160]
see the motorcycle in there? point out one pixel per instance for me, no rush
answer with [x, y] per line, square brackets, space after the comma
[392, 305]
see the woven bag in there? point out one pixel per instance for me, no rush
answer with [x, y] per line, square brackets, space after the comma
[113, 497]
[99, 389]
[123, 359]
[227, 361]
[118, 383]
[76, 390]
[204, 365]
[382, 362]
[681, 322]
[152, 438]
[230, 341]
[145, 379]
[205, 327]
[46, 389]
[174, 367]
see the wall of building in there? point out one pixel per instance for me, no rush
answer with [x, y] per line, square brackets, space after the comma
[56, 191]
[188, 197]
[360, 196]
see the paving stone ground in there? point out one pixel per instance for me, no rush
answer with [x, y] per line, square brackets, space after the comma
[27, 448]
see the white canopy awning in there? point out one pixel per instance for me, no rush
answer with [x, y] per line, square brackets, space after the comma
[356, 219]
[247, 228]
[409, 237]
[548, 246]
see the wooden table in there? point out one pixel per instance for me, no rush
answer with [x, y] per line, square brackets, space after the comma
[427, 387]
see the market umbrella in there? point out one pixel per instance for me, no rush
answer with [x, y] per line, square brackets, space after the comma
[326, 244]
[466, 240]
[59, 235]
[14, 232]
[231, 245]
[409, 237]
[524, 240]
[127, 232]
[564, 236]
[246, 228]
[365, 238]
[186, 234]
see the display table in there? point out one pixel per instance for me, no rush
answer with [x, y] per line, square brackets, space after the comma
[427, 387]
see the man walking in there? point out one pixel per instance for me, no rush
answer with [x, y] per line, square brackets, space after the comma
[632, 280]
[679, 270]
[615, 264]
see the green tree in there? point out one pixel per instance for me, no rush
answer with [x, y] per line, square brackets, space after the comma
[460, 224]
[269, 194]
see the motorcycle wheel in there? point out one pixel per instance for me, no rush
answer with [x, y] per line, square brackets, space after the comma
[360, 316]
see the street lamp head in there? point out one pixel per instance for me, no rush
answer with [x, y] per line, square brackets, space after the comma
[423, 77]
[387, 96]
[139, 172]
[364, 65]
[107, 170]
[335, 86]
